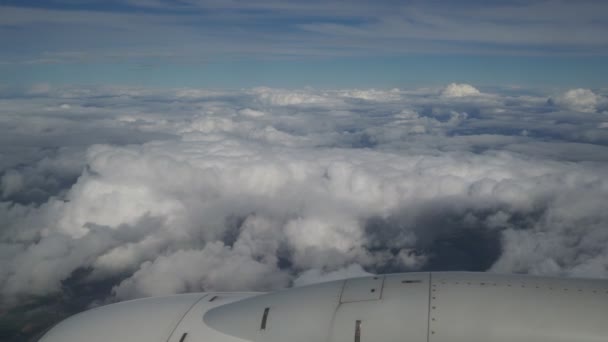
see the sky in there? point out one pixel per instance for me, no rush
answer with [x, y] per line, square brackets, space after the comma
[151, 148]
[233, 44]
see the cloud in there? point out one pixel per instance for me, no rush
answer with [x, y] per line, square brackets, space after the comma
[459, 90]
[39, 89]
[251, 112]
[166, 191]
[11, 182]
[154, 30]
[277, 97]
[570, 240]
[373, 94]
[221, 268]
[582, 100]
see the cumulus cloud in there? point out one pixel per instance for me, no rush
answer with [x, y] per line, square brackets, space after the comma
[583, 100]
[459, 90]
[265, 188]
[222, 268]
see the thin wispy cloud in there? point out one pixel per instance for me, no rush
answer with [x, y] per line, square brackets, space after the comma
[194, 32]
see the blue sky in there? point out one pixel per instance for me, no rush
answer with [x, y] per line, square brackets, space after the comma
[213, 43]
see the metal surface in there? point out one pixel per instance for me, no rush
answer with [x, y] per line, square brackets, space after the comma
[469, 307]
[150, 320]
[400, 313]
[410, 307]
[360, 289]
[302, 314]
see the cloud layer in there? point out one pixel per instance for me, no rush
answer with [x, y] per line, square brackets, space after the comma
[196, 30]
[168, 191]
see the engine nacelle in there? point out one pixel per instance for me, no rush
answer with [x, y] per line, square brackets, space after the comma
[409, 307]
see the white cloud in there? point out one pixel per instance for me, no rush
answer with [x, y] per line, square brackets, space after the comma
[459, 90]
[583, 100]
[218, 268]
[251, 112]
[279, 97]
[373, 94]
[262, 188]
